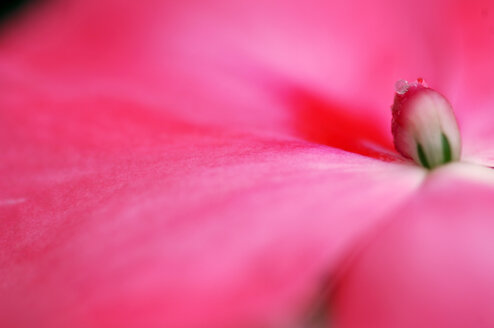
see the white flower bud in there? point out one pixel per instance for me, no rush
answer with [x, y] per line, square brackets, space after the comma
[424, 126]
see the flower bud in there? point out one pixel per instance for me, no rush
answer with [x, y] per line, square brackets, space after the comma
[424, 126]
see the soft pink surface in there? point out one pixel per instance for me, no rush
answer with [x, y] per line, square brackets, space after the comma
[433, 266]
[186, 163]
[113, 218]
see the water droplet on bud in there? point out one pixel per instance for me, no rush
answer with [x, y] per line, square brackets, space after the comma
[401, 86]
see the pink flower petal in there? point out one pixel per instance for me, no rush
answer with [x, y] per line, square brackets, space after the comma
[251, 63]
[115, 215]
[433, 265]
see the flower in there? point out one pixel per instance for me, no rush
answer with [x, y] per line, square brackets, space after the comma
[219, 163]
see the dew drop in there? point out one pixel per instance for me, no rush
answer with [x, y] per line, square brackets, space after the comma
[401, 87]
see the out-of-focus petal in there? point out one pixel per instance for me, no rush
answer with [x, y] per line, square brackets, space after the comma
[248, 63]
[433, 265]
[257, 63]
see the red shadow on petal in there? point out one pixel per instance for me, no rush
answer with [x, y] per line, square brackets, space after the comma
[320, 121]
